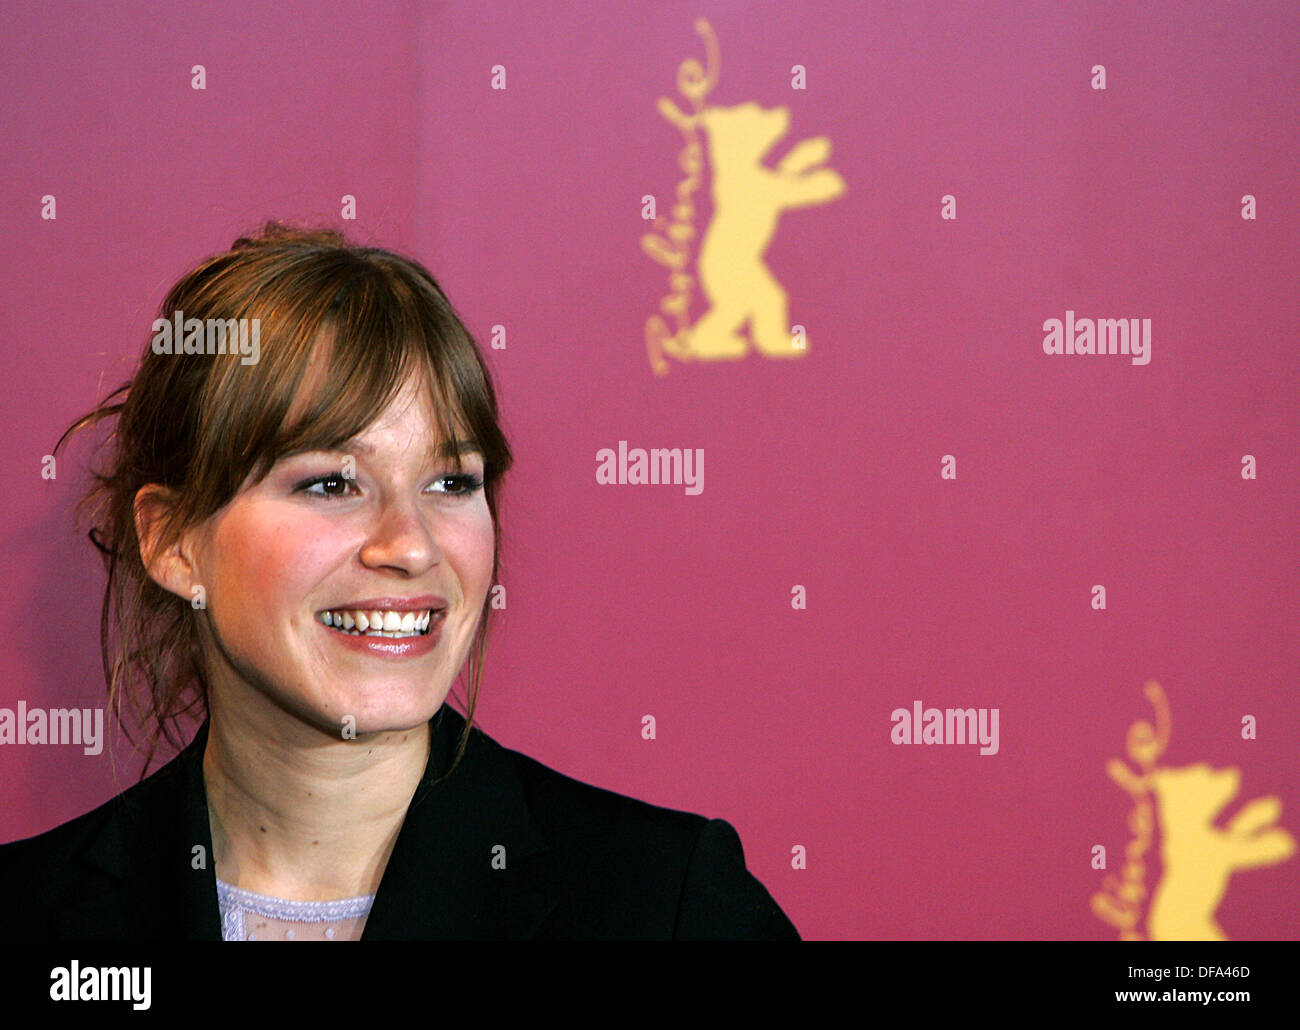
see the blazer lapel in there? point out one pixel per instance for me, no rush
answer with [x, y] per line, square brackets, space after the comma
[469, 862]
[151, 874]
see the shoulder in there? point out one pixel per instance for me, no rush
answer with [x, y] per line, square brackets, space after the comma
[663, 865]
[78, 858]
[137, 802]
[567, 806]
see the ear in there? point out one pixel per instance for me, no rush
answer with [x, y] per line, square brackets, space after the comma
[172, 568]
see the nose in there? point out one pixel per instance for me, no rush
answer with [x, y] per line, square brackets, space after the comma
[401, 538]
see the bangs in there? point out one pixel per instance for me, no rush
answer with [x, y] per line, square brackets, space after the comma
[332, 361]
[344, 389]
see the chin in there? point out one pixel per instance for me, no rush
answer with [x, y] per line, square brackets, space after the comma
[388, 709]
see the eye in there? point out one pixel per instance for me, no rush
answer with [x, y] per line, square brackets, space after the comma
[463, 486]
[334, 484]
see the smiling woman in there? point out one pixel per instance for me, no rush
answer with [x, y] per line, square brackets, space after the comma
[300, 551]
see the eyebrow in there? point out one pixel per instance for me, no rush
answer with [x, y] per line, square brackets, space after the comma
[445, 450]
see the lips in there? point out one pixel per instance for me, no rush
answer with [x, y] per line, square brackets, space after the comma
[392, 604]
[415, 633]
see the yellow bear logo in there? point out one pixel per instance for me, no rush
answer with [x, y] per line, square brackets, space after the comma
[748, 199]
[1197, 857]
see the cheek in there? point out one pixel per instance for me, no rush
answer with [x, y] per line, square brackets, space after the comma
[262, 563]
[484, 545]
[469, 544]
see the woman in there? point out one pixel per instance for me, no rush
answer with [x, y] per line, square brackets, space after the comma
[300, 526]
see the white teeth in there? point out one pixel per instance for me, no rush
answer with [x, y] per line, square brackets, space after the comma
[377, 623]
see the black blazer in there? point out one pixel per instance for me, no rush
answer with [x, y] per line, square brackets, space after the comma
[580, 862]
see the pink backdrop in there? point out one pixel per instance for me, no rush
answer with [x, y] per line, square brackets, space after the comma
[824, 471]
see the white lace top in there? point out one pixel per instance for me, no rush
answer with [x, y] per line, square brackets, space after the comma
[246, 916]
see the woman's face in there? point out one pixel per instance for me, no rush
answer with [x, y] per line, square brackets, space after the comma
[405, 545]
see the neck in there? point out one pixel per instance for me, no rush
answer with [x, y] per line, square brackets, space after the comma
[299, 813]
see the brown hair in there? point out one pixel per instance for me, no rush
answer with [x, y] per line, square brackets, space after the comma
[201, 424]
